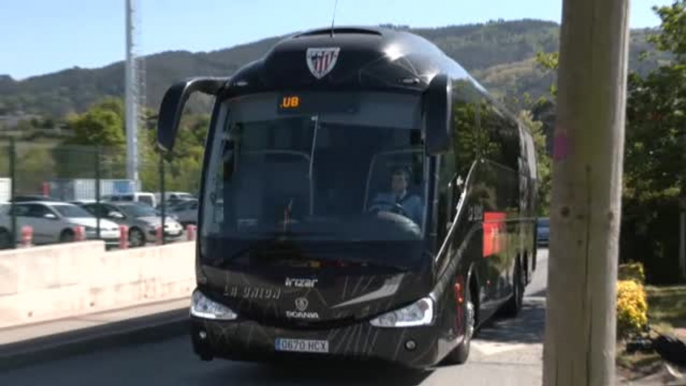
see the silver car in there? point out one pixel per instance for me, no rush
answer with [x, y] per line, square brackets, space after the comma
[142, 220]
[186, 212]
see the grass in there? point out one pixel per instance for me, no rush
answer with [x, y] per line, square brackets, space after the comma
[667, 306]
[666, 314]
[636, 365]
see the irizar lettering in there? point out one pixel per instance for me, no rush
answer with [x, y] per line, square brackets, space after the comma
[301, 283]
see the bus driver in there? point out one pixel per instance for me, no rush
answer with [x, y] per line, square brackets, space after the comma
[410, 203]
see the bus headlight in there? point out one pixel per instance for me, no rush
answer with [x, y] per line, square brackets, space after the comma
[202, 307]
[421, 313]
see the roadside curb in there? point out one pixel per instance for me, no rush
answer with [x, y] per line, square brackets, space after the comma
[149, 328]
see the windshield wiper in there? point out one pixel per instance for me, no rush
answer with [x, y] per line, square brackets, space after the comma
[289, 234]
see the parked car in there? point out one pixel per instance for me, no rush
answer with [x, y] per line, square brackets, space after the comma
[5, 225]
[186, 212]
[82, 202]
[139, 197]
[170, 206]
[174, 196]
[174, 199]
[54, 222]
[543, 231]
[34, 198]
[142, 220]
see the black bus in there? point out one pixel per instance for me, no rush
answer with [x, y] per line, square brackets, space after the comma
[362, 197]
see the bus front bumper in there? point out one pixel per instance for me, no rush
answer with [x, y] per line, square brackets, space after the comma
[414, 347]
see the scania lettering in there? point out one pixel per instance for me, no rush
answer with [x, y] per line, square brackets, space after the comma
[362, 197]
[302, 315]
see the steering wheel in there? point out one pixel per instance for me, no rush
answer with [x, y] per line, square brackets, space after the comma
[387, 205]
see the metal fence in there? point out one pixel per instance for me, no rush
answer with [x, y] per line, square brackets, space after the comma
[46, 186]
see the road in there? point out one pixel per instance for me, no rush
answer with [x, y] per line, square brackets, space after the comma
[507, 352]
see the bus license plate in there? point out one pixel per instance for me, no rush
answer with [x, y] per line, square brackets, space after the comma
[301, 345]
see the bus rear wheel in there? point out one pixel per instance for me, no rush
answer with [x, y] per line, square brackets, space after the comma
[514, 305]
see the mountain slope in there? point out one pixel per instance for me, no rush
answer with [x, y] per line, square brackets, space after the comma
[499, 54]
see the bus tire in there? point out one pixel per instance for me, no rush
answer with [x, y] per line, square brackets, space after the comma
[514, 304]
[460, 354]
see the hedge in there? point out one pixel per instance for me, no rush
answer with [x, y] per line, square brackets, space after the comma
[650, 235]
[632, 308]
[632, 304]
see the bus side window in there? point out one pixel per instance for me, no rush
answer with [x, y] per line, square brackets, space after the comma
[446, 195]
[503, 149]
[468, 141]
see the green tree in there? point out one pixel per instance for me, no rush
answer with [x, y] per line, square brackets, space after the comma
[672, 36]
[35, 165]
[98, 127]
[654, 158]
[656, 132]
[115, 105]
[544, 163]
[549, 61]
[183, 171]
[100, 130]
[532, 114]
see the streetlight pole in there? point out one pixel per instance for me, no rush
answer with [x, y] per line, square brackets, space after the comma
[131, 94]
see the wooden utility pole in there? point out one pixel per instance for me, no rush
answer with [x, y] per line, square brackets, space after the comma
[586, 204]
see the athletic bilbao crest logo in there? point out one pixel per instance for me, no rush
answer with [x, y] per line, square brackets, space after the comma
[322, 60]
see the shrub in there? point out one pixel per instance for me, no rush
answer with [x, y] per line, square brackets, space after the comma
[632, 271]
[632, 308]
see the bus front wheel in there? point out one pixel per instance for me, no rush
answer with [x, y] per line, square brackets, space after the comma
[461, 353]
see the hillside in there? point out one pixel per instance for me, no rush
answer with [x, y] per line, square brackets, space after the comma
[499, 54]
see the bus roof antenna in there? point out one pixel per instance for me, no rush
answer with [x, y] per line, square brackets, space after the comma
[333, 19]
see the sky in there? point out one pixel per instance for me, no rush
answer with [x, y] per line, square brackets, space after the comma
[43, 36]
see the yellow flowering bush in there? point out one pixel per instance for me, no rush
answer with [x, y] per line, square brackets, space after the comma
[632, 271]
[632, 307]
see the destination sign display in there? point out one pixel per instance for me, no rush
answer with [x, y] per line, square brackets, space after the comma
[317, 103]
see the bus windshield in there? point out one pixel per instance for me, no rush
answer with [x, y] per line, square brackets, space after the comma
[318, 166]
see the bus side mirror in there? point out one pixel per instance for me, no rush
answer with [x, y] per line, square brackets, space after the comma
[173, 103]
[437, 115]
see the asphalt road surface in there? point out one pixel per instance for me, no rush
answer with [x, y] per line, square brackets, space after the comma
[507, 352]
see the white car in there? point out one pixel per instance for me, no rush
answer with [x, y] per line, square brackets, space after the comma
[140, 197]
[54, 222]
[173, 196]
